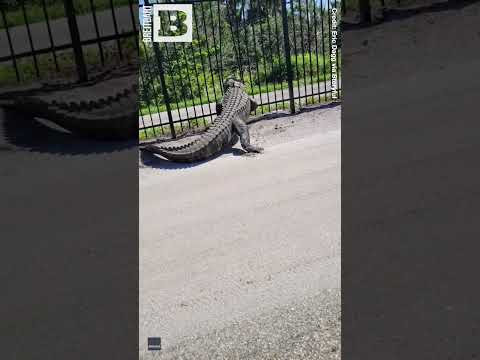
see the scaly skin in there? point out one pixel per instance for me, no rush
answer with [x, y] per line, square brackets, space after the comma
[105, 107]
[224, 131]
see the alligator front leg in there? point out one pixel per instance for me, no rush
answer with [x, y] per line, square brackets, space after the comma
[218, 108]
[234, 138]
[242, 129]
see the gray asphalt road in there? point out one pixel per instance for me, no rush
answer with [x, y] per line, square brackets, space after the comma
[228, 247]
[61, 33]
[308, 329]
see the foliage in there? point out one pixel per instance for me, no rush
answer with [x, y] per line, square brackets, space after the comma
[251, 48]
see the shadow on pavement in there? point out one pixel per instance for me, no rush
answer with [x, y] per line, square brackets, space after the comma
[24, 133]
[153, 161]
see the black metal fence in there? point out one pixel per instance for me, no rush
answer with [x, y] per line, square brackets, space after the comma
[283, 50]
[44, 39]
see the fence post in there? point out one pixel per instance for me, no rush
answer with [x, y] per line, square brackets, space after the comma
[364, 9]
[76, 44]
[159, 60]
[288, 59]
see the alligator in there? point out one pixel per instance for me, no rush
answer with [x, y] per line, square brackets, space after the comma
[104, 107]
[229, 125]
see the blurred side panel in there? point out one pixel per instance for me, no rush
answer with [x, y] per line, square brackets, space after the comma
[69, 179]
[410, 184]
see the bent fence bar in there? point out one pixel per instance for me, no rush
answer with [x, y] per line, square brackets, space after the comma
[281, 50]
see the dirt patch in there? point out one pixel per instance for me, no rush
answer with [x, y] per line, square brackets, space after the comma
[270, 132]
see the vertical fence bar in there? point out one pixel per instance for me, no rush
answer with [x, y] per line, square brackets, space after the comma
[10, 44]
[148, 108]
[134, 24]
[150, 81]
[218, 70]
[364, 9]
[264, 55]
[209, 56]
[192, 96]
[143, 123]
[174, 88]
[309, 39]
[329, 22]
[182, 86]
[235, 38]
[302, 43]
[245, 42]
[30, 39]
[220, 39]
[50, 37]
[316, 46]
[256, 70]
[198, 85]
[292, 9]
[278, 43]
[203, 66]
[76, 44]
[287, 55]
[115, 27]
[97, 32]
[247, 49]
[272, 57]
[323, 53]
[158, 55]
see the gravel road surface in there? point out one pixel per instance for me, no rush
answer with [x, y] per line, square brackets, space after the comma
[240, 256]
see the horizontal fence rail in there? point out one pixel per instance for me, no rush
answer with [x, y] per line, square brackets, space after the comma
[44, 39]
[281, 50]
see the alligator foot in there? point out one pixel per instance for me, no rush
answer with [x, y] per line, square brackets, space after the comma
[242, 130]
[254, 149]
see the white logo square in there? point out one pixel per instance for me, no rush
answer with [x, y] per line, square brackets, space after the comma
[187, 9]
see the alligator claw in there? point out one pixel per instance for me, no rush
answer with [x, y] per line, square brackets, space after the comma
[255, 149]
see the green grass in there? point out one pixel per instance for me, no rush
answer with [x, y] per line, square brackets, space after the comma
[55, 10]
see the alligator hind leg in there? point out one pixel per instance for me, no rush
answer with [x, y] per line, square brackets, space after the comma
[253, 105]
[242, 129]
[234, 138]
